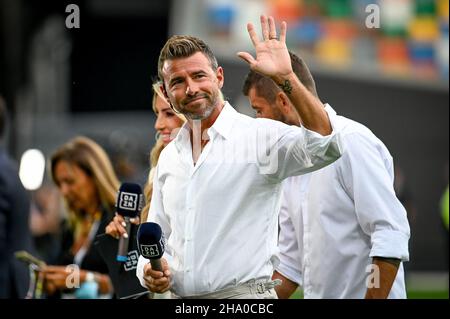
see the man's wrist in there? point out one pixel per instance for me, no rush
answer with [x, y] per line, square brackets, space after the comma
[393, 261]
[285, 82]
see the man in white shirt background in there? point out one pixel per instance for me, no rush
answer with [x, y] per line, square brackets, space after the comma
[343, 232]
[217, 186]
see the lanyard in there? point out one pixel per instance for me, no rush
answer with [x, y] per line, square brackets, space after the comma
[79, 256]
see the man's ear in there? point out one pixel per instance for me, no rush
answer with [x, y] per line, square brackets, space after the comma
[220, 77]
[284, 103]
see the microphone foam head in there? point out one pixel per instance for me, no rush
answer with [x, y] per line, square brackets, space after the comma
[150, 240]
[129, 200]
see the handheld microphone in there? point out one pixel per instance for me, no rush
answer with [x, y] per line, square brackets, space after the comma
[129, 204]
[151, 243]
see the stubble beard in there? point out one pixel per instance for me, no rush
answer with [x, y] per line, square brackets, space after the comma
[210, 105]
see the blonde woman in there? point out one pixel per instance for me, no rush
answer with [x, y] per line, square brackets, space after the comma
[167, 124]
[85, 177]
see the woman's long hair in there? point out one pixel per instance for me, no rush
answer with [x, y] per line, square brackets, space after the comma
[154, 153]
[93, 160]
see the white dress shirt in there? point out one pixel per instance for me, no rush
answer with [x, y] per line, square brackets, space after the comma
[334, 220]
[220, 216]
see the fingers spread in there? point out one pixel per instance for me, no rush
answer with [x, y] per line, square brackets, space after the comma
[283, 31]
[272, 29]
[247, 57]
[252, 33]
[264, 27]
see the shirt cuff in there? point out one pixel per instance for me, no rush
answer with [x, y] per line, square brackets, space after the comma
[317, 141]
[290, 273]
[390, 244]
[332, 116]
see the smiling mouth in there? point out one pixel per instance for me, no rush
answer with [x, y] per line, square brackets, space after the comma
[194, 100]
[165, 136]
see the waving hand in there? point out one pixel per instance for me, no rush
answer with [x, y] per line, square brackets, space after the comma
[272, 56]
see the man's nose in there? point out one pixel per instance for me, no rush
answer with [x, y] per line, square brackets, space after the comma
[192, 88]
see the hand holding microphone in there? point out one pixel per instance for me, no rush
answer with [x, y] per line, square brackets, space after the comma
[128, 206]
[151, 245]
[116, 228]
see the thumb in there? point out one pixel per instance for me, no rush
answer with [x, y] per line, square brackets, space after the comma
[147, 268]
[165, 267]
[247, 57]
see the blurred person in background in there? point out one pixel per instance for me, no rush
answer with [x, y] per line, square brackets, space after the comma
[85, 177]
[337, 221]
[15, 233]
[125, 154]
[46, 219]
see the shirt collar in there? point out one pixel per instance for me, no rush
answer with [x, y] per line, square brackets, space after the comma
[224, 121]
[221, 126]
[182, 135]
[329, 109]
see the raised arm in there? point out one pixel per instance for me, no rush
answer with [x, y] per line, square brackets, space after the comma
[272, 60]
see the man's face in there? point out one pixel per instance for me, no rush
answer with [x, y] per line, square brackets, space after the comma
[192, 86]
[263, 108]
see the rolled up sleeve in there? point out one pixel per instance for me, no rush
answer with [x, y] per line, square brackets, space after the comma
[369, 179]
[390, 243]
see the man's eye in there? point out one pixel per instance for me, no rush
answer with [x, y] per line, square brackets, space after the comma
[175, 82]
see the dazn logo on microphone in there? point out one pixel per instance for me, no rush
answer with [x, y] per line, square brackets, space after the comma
[128, 201]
